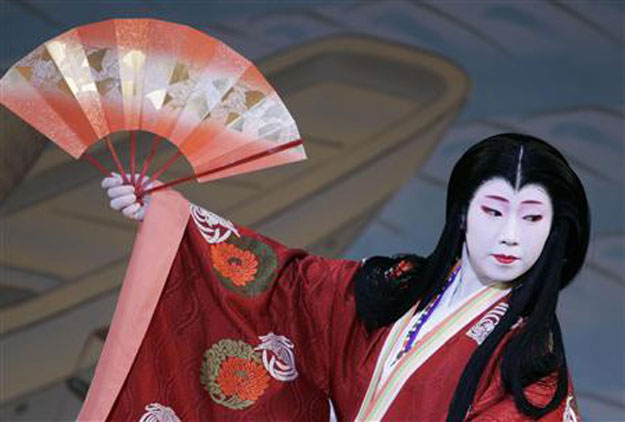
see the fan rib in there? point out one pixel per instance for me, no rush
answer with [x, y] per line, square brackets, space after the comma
[146, 165]
[132, 157]
[116, 159]
[262, 154]
[165, 166]
[91, 159]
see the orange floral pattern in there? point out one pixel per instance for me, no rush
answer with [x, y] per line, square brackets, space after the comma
[233, 374]
[243, 378]
[244, 264]
[234, 263]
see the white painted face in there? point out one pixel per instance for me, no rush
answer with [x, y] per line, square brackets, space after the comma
[503, 221]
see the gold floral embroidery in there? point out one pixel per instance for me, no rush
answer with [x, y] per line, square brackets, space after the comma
[233, 374]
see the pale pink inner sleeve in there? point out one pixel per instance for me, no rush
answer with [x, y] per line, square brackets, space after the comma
[156, 244]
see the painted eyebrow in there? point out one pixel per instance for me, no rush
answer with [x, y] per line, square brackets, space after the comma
[499, 198]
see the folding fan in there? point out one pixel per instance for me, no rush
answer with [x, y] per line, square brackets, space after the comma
[168, 79]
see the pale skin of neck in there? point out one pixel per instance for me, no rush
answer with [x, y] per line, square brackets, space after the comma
[470, 282]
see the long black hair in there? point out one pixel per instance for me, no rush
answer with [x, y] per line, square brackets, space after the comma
[536, 349]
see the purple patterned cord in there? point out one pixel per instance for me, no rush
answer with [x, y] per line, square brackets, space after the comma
[414, 331]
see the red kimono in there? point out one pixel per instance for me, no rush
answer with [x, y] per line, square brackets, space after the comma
[216, 322]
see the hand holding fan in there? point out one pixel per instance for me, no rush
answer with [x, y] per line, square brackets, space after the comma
[168, 79]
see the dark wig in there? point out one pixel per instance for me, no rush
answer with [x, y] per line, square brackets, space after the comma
[536, 349]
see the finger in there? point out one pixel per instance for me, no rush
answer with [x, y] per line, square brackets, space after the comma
[146, 182]
[120, 190]
[111, 181]
[122, 201]
[139, 214]
[137, 175]
[130, 210]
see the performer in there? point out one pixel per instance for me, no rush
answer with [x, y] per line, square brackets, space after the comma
[218, 322]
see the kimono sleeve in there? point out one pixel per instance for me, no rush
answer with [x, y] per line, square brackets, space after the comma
[497, 406]
[242, 330]
[283, 302]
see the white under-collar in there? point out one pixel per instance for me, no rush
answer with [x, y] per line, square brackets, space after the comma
[446, 306]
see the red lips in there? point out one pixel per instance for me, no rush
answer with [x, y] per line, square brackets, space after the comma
[505, 259]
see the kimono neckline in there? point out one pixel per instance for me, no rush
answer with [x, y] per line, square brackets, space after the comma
[380, 395]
